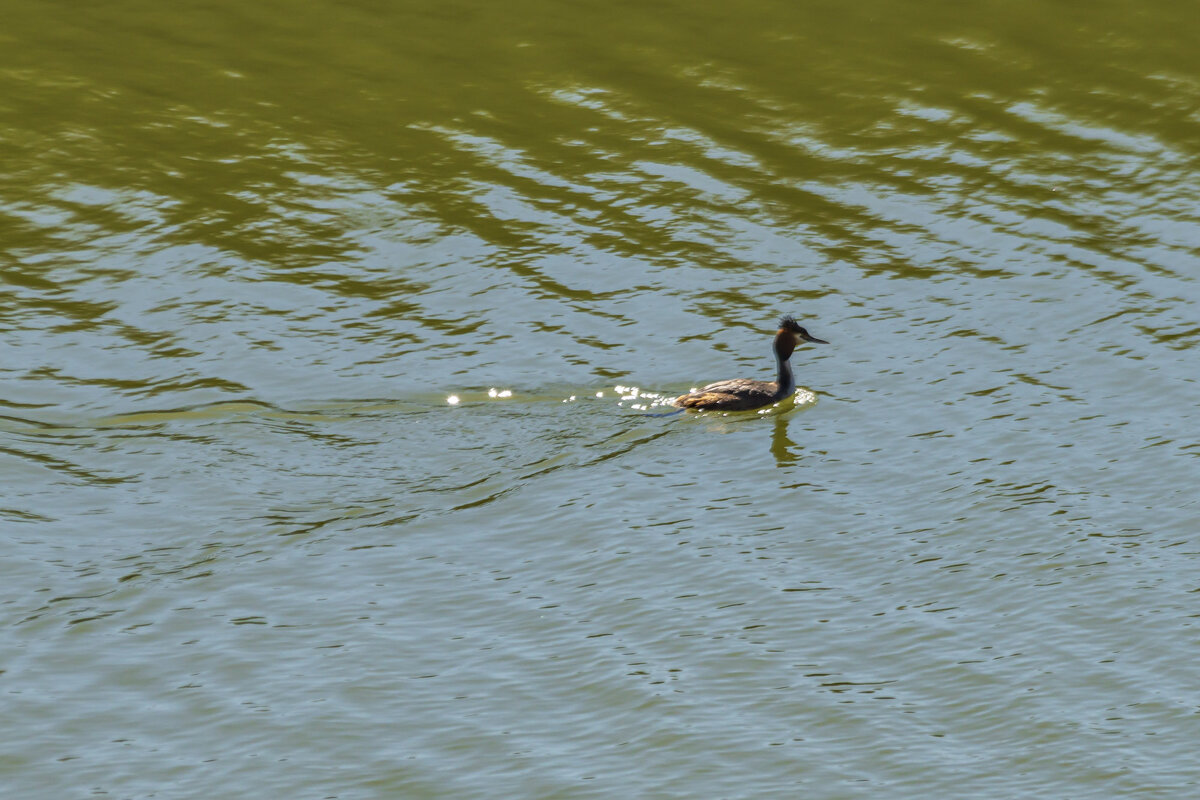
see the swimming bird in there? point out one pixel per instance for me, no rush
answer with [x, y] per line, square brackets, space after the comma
[744, 394]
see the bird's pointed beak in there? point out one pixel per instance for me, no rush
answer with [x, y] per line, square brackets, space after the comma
[806, 337]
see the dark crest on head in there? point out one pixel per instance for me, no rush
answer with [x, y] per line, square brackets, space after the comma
[788, 324]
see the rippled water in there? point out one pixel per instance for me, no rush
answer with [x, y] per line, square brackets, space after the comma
[249, 252]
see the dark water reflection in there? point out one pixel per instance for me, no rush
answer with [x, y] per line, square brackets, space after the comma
[248, 254]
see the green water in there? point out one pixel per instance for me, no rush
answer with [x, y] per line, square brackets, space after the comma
[248, 252]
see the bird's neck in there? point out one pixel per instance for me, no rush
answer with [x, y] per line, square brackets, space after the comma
[786, 380]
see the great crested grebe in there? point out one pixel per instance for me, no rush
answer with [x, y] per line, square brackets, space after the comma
[744, 394]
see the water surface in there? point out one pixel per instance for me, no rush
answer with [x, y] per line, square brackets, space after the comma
[248, 253]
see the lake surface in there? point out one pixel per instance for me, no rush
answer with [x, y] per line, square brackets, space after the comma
[251, 254]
